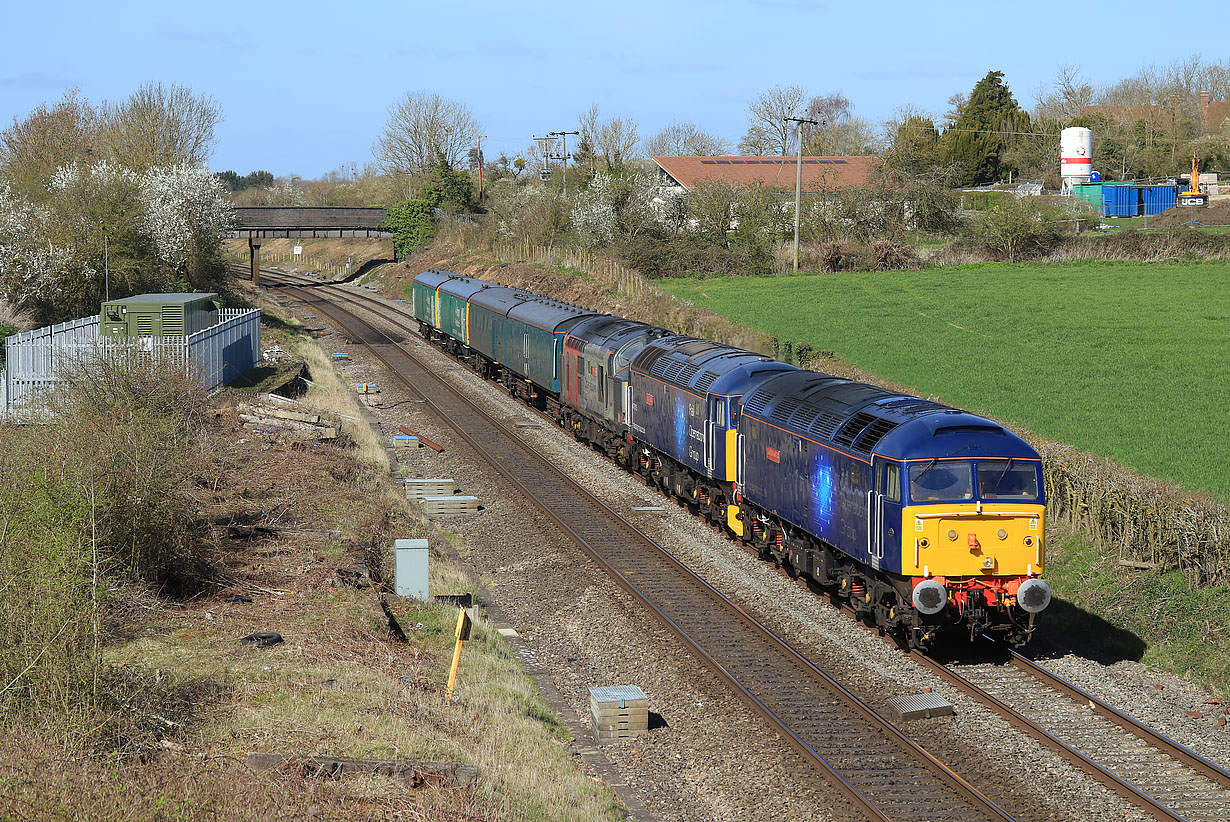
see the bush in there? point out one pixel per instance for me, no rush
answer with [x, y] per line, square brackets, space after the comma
[1015, 230]
[102, 491]
[681, 255]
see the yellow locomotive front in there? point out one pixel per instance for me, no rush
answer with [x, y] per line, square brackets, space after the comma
[974, 542]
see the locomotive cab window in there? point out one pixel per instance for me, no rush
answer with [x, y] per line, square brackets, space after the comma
[719, 412]
[1007, 479]
[935, 481]
[890, 481]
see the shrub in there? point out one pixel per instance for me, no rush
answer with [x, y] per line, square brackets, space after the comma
[103, 490]
[680, 255]
[1015, 230]
[412, 226]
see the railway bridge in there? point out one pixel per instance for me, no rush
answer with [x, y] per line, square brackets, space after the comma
[255, 223]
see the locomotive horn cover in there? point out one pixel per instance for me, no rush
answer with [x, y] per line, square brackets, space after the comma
[930, 596]
[1034, 595]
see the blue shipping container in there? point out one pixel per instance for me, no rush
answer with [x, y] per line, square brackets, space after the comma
[1119, 201]
[1157, 199]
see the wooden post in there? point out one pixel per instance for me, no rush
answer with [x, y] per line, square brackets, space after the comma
[462, 633]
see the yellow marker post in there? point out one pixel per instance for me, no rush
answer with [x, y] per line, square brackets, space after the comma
[462, 633]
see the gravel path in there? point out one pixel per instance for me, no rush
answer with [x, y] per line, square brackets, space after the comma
[714, 759]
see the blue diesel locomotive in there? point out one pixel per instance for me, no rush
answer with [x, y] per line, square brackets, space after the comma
[923, 517]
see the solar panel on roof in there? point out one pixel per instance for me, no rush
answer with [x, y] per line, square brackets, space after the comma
[706, 162]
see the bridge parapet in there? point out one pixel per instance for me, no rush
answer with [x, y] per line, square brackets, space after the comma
[268, 222]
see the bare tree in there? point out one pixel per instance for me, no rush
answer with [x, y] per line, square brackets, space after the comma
[617, 140]
[681, 139]
[613, 139]
[423, 127]
[158, 127]
[33, 148]
[1066, 98]
[837, 130]
[766, 116]
[757, 142]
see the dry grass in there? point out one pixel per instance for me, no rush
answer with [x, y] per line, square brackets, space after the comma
[328, 392]
[339, 685]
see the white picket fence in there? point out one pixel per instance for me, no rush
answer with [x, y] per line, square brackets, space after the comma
[215, 355]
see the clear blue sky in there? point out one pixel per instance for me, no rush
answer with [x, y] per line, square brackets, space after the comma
[306, 86]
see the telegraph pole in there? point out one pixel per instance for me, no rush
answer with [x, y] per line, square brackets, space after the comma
[564, 134]
[480, 166]
[798, 180]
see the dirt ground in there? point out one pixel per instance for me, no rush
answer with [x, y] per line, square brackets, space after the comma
[1217, 213]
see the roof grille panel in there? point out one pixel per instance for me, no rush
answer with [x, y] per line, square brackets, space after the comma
[872, 435]
[706, 380]
[652, 359]
[852, 428]
[756, 403]
[826, 424]
[687, 372]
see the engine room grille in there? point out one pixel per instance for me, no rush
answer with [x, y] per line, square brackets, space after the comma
[872, 435]
[755, 404]
[706, 380]
[853, 427]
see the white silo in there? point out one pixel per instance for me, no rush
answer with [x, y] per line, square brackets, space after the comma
[1076, 156]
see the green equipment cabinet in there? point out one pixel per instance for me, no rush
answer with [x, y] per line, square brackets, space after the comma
[159, 315]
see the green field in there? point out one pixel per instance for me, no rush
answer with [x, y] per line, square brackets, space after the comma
[1128, 360]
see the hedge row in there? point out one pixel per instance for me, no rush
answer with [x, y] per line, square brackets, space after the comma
[1146, 520]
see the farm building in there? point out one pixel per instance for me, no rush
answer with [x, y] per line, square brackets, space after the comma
[820, 174]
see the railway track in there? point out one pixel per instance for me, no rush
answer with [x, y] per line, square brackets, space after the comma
[881, 772]
[1166, 780]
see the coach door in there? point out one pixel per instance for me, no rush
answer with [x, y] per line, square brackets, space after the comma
[715, 426]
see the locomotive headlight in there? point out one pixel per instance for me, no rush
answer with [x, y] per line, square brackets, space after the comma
[988, 562]
[1002, 534]
[1034, 595]
[930, 596]
[1029, 541]
[952, 534]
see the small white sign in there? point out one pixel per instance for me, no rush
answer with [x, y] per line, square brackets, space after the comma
[298, 250]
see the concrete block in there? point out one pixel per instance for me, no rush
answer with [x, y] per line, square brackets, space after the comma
[417, 489]
[449, 506]
[921, 706]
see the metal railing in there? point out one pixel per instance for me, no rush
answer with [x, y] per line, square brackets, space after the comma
[34, 360]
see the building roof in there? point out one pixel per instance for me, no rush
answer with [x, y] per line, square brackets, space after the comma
[166, 298]
[819, 173]
[1214, 113]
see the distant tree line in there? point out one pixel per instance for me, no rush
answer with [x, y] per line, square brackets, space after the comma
[255, 179]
